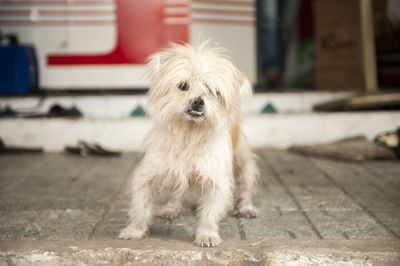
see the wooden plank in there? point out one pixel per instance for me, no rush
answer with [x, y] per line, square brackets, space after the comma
[362, 102]
[338, 45]
[368, 46]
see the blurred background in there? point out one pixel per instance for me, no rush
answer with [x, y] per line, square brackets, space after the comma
[72, 70]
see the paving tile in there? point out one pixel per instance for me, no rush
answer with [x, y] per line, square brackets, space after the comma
[347, 225]
[282, 225]
[278, 217]
[59, 196]
[181, 228]
[361, 185]
[270, 195]
[391, 219]
[112, 224]
[387, 172]
[184, 228]
[117, 218]
[308, 186]
[63, 199]
[69, 224]
[68, 182]
[15, 168]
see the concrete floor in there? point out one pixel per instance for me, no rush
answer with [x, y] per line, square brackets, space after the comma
[68, 210]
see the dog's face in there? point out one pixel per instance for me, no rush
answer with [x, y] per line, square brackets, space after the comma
[195, 85]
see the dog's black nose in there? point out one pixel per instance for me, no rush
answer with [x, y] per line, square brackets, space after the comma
[198, 104]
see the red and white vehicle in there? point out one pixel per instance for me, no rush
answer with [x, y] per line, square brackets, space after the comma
[84, 44]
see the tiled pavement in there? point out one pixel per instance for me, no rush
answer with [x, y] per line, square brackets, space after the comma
[56, 207]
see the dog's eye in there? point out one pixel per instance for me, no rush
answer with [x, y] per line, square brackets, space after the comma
[209, 90]
[214, 93]
[183, 86]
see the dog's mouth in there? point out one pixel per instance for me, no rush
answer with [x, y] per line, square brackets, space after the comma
[195, 113]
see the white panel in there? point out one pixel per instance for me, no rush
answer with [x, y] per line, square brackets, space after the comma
[222, 7]
[222, 16]
[239, 40]
[91, 39]
[109, 76]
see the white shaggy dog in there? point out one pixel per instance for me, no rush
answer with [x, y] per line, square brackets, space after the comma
[195, 144]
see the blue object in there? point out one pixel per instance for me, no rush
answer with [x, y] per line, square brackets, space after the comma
[276, 25]
[18, 68]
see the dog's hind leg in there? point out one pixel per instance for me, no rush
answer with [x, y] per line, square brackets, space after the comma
[141, 205]
[246, 173]
[173, 208]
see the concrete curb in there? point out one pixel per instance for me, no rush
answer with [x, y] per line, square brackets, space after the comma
[172, 252]
[268, 130]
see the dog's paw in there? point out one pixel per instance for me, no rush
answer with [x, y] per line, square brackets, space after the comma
[247, 211]
[133, 233]
[171, 213]
[208, 241]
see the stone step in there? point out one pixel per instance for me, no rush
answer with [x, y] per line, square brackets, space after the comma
[262, 130]
[172, 252]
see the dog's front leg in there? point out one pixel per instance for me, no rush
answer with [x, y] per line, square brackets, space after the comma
[141, 206]
[214, 203]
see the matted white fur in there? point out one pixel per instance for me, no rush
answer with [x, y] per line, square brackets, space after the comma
[195, 144]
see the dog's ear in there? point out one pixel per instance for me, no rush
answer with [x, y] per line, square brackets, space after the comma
[155, 69]
[155, 63]
[243, 85]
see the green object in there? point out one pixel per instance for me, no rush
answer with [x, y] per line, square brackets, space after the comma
[77, 111]
[305, 76]
[138, 111]
[269, 109]
[7, 112]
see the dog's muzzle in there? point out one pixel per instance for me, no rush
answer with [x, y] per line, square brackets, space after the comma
[196, 109]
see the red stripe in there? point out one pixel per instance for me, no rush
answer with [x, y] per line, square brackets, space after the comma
[57, 22]
[225, 2]
[57, 3]
[176, 15]
[220, 11]
[57, 12]
[223, 21]
[176, 5]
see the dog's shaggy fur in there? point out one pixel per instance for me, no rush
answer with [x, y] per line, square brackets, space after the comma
[196, 142]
